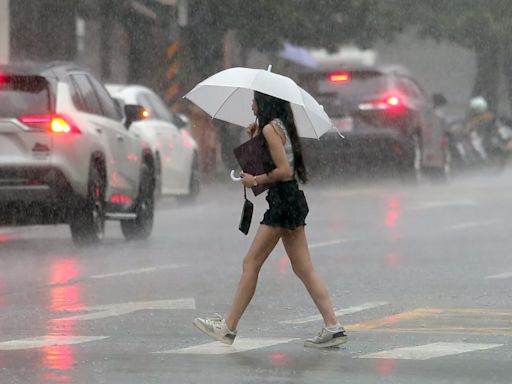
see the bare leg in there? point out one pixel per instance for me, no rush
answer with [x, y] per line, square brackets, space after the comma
[264, 242]
[297, 249]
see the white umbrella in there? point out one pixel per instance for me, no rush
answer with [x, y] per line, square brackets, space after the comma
[228, 95]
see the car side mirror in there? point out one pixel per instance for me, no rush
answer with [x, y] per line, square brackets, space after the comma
[439, 100]
[134, 112]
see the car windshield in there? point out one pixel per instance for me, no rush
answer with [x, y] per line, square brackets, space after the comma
[23, 95]
[333, 89]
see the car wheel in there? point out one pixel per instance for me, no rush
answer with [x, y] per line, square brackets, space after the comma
[442, 174]
[87, 223]
[194, 182]
[412, 168]
[158, 177]
[142, 225]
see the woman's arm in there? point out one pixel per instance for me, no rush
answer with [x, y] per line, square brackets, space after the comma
[278, 154]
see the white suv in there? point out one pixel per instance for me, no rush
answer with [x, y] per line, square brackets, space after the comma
[67, 154]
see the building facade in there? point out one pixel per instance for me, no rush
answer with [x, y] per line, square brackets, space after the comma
[117, 40]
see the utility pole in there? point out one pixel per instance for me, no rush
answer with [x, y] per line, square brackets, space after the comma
[172, 54]
[4, 31]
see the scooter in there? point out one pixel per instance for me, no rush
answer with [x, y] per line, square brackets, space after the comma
[498, 147]
[471, 151]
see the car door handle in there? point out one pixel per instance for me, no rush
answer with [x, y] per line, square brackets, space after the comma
[119, 137]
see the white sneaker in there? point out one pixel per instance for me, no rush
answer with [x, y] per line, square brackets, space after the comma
[216, 328]
[326, 339]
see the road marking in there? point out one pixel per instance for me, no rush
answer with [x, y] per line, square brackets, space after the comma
[137, 271]
[450, 330]
[104, 311]
[339, 312]
[471, 224]
[44, 341]
[428, 351]
[390, 320]
[504, 275]
[441, 320]
[240, 345]
[442, 204]
[329, 243]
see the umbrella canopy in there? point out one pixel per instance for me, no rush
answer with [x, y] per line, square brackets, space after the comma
[228, 95]
[297, 54]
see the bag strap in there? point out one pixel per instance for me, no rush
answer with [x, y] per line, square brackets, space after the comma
[245, 193]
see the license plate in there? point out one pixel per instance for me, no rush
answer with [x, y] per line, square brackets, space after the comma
[344, 124]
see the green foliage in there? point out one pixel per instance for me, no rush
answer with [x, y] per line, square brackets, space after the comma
[481, 25]
[266, 24]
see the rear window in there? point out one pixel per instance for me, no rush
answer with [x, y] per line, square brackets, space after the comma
[351, 87]
[23, 95]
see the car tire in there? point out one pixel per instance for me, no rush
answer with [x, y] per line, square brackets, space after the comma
[141, 226]
[158, 177]
[87, 223]
[441, 175]
[194, 182]
[412, 169]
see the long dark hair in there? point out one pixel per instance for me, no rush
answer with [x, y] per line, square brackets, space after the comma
[270, 108]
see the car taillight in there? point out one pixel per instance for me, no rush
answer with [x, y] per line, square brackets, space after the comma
[53, 123]
[389, 103]
[121, 199]
[339, 77]
[393, 101]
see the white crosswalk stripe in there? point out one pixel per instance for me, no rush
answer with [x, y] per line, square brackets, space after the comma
[137, 271]
[45, 341]
[428, 351]
[444, 204]
[339, 312]
[471, 224]
[330, 243]
[504, 275]
[110, 310]
[240, 345]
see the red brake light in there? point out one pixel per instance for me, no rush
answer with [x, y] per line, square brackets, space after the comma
[339, 77]
[121, 199]
[393, 101]
[390, 103]
[52, 123]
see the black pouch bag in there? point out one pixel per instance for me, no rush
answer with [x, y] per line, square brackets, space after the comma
[245, 219]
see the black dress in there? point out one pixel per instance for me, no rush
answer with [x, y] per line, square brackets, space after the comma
[287, 205]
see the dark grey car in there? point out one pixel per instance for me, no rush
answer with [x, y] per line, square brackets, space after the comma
[386, 118]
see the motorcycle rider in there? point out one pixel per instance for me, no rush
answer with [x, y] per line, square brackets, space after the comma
[480, 126]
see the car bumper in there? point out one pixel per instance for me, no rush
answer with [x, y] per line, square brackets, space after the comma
[32, 184]
[34, 196]
[368, 145]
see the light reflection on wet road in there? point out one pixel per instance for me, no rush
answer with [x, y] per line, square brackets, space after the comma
[118, 313]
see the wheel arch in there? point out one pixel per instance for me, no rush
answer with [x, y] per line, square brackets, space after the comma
[148, 160]
[99, 162]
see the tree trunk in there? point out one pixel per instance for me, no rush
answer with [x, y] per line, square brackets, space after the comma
[488, 72]
[507, 71]
[202, 55]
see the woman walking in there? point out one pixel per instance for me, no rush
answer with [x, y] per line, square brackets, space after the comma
[284, 220]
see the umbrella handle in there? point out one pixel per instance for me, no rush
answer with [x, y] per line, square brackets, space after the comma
[233, 177]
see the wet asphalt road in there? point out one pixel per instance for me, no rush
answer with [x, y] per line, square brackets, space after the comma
[420, 276]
